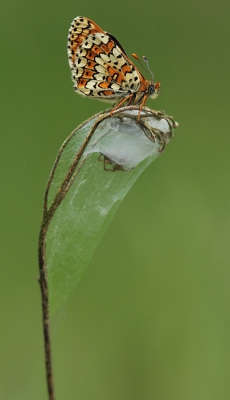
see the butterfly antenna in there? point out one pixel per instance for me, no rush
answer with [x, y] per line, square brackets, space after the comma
[146, 60]
[138, 59]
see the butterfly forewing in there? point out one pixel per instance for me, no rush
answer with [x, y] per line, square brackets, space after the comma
[100, 67]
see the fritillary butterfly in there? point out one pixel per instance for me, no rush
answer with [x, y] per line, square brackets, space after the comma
[101, 68]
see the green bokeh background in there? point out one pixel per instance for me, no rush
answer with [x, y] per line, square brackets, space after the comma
[150, 319]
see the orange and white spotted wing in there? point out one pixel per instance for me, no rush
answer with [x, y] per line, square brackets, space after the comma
[101, 69]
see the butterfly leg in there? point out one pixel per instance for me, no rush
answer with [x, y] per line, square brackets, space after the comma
[128, 98]
[141, 106]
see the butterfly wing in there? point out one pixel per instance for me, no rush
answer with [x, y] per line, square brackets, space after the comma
[99, 65]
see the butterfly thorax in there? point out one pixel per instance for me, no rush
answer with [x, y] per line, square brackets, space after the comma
[147, 89]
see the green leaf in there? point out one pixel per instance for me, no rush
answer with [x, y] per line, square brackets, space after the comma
[91, 191]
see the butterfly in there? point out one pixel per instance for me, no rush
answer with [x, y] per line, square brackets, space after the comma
[101, 69]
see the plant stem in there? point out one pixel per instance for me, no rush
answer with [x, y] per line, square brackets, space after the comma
[48, 212]
[45, 308]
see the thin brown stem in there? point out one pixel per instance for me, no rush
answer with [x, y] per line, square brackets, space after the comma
[48, 212]
[47, 217]
[45, 309]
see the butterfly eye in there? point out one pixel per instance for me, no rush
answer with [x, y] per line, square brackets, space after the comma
[151, 89]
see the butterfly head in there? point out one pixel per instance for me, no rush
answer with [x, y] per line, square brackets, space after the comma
[154, 90]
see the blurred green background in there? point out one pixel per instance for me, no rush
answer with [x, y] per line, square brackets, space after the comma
[150, 319]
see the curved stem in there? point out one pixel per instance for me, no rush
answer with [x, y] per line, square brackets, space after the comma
[47, 217]
[45, 308]
[48, 212]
